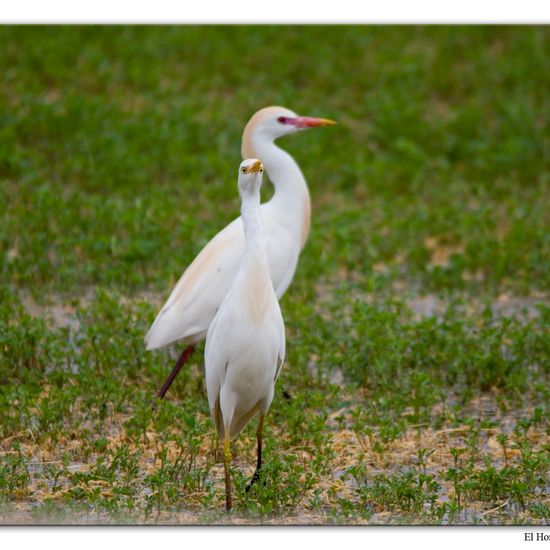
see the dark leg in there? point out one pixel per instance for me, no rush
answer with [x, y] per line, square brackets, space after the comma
[259, 433]
[185, 354]
[227, 472]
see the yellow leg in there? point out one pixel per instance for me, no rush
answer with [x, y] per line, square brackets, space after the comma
[226, 466]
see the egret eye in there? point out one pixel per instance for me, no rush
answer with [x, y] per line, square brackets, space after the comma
[261, 170]
[281, 120]
[243, 170]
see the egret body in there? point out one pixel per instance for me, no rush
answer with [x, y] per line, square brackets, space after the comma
[195, 299]
[245, 343]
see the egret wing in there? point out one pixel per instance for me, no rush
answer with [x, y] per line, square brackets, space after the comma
[198, 294]
[200, 291]
[281, 343]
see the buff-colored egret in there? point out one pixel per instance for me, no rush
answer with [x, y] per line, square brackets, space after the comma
[245, 344]
[189, 310]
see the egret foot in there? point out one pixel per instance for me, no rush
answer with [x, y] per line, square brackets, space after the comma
[253, 480]
[259, 434]
[226, 467]
[184, 357]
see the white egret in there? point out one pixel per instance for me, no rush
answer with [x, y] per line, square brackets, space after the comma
[189, 310]
[245, 344]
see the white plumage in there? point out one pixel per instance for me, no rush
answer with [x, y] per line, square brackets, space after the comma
[245, 344]
[198, 294]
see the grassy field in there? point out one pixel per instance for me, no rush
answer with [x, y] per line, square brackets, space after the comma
[417, 383]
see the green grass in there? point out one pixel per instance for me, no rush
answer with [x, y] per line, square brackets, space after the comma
[417, 322]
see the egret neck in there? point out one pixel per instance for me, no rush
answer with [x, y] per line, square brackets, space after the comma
[252, 224]
[291, 201]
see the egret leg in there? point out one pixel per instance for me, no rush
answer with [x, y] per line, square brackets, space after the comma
[184, 357]
[226, 466]
[259, 434]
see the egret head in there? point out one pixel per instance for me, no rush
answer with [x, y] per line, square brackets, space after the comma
[274, 122]
[250, 176]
